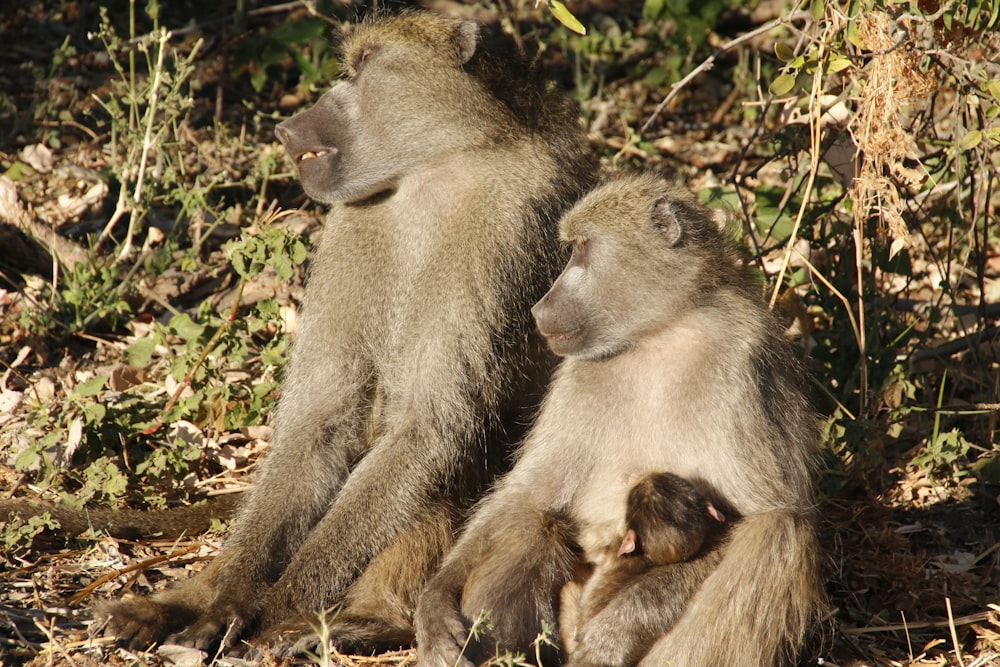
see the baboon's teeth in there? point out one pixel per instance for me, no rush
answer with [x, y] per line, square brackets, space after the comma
[309, 155]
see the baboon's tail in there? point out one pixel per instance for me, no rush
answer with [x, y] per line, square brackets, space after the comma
[127, 524]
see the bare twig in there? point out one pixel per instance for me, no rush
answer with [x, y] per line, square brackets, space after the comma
[11, 613]
[141, 565]
[906, 627]
[954, 634]
[147, 139]
[928, 18]
[709, 62]
[150, 137]
[815, 140]
[70, 123]
[847, 309]
[49, 632]
[286, 7]
[147, 142]
[958, 345]
[978, 617]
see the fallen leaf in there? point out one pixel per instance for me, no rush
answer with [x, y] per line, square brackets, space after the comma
[181, 656]
[38, 157]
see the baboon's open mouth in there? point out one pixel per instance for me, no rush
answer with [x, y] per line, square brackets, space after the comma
[309, 155]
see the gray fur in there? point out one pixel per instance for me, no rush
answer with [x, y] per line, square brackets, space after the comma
[672, 363]
[445, 164]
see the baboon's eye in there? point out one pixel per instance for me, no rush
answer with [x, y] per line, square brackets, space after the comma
[581, 252]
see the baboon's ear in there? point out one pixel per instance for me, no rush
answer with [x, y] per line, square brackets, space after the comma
[664, 216]
[467, 36]
[628, 543]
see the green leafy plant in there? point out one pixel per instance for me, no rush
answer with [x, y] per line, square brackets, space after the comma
[865, 68]
[49, 109]
[97, 434]
[270, 247]
[91, 294]
[943, 454]
[143, 113]
[16, 533]
[264, 55]
[693, 19]
[565, 16]
[207, 358]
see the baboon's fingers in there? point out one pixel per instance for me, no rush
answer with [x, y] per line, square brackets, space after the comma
[442, 633]
[212, 628]
[139, 622]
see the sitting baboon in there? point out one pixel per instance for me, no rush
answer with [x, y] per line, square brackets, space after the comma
[667, 520]
[672, 363]
[446, 162]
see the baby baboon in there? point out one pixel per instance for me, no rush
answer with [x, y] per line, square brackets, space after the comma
[672, 363]
[446, 163]
[666, 521]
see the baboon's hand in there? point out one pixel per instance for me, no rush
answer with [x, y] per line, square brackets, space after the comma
[600, 644]
[441, 634]
[140, 622]
[443, 653]
[222, 624]
[290, 640]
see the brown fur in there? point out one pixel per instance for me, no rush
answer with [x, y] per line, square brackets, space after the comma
[124, 523]
[667, 521]
[446, 163]
[672, 364]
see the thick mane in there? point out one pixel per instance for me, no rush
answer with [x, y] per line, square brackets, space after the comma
[506, 72]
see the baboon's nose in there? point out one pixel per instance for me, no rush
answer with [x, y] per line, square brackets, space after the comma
[282, 133]
[292, 138]
[299, 145]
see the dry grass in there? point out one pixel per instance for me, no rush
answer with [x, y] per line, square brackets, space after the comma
[893, 82]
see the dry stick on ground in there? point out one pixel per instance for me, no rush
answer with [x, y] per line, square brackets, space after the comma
[966, 342]
[141, 565]
[49, 633]
[926, 625]
[43, 558]
[12, 210]
[709, 62]
[70, 123]
[954, 633]
[8, 613]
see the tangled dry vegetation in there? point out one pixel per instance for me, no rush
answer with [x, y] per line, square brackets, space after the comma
[152, 237]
